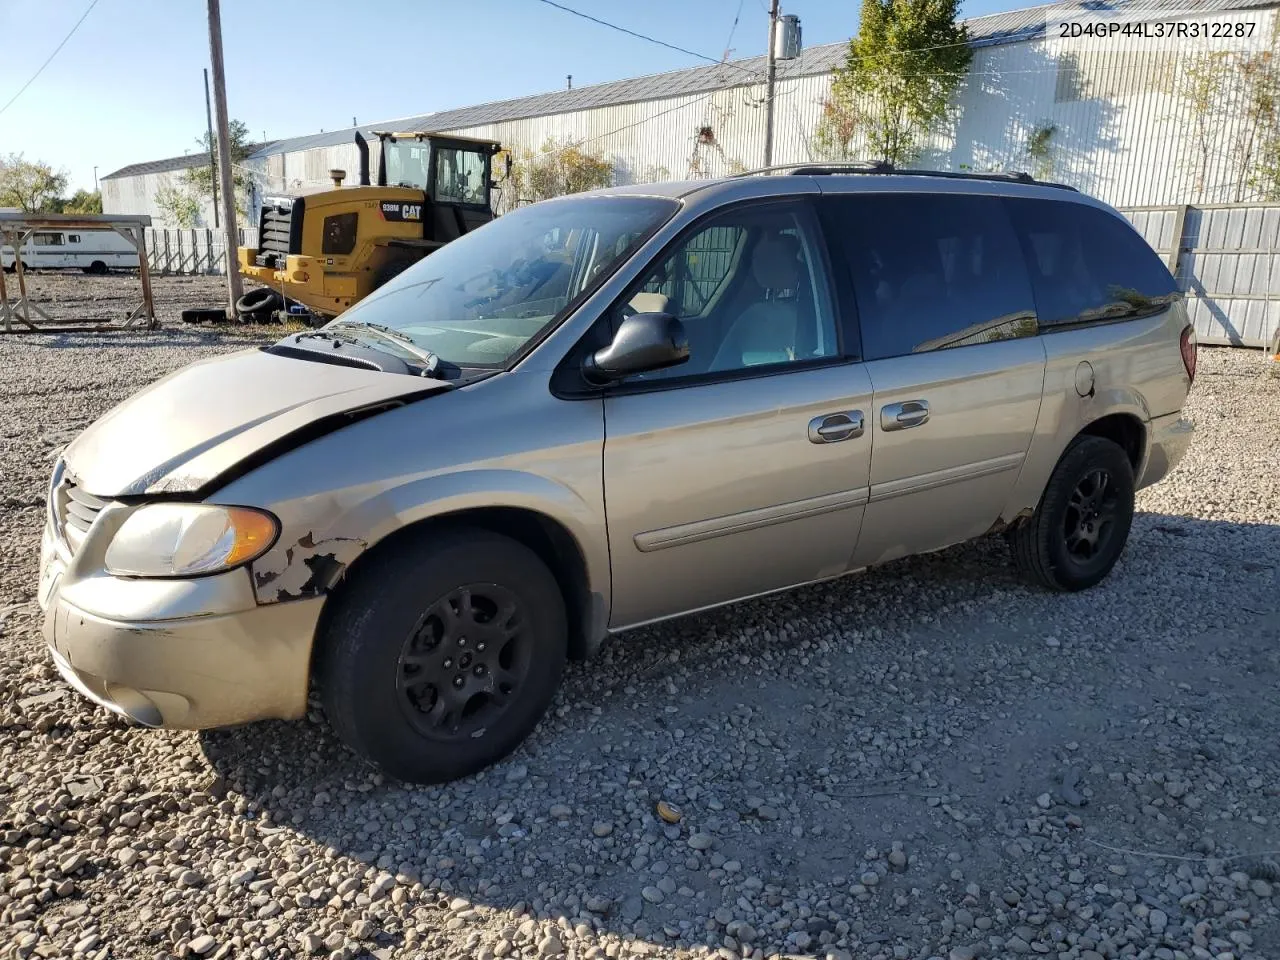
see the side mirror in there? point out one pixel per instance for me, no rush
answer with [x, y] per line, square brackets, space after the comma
[644, 342]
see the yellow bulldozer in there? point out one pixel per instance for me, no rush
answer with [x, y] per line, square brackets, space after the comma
[327, 250]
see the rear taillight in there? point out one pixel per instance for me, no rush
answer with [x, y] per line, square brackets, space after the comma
[1190, 348]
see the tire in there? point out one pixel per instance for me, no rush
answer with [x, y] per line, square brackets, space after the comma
[394, 648]
[1074, 539]
[97, 268]
[263, 300]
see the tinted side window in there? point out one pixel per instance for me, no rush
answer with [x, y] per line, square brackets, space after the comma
[930, 271]
[1088, 265]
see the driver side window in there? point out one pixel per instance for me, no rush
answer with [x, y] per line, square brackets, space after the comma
[749, 287]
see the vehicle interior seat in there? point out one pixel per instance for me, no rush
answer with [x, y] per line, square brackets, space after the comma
[766, 330]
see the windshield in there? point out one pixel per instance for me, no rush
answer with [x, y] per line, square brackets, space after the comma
[407, 162]
[480, 298]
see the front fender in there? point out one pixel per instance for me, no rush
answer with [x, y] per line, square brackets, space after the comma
[321, 537]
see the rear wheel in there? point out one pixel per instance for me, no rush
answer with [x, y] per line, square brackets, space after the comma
[442, 656]
[1080, 528]
[96, 268]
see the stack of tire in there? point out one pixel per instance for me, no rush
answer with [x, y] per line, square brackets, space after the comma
[259, 305]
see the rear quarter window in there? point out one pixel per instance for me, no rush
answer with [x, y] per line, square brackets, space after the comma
[1087, 265]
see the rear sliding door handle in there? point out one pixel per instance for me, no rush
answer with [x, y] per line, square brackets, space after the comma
[834, 427]
[900, 416]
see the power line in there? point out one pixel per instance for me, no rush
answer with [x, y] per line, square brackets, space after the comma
[639, 36]
[644, 36]
[23, 88]
[732, 30]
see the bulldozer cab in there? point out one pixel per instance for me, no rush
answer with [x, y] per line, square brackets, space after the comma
[449, 170]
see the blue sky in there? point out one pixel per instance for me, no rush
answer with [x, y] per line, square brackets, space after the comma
[127, 86]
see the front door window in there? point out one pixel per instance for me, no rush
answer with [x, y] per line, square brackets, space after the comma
[748, 286]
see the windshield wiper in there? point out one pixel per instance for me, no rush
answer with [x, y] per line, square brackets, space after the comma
[323, 335]
[431, 361]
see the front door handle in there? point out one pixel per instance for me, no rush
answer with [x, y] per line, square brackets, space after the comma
[900, 416]
[834, 427]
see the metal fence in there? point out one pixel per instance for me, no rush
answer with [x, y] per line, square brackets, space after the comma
[1224, 257]
[172, 251]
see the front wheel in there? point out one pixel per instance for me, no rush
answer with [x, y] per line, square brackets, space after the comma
[440, 657]
[1080, 528]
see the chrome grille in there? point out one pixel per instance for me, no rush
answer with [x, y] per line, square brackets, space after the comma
[74, 511]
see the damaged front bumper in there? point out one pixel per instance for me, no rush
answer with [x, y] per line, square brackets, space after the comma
[188, 653]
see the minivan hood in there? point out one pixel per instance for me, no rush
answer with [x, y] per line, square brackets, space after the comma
[187, 429]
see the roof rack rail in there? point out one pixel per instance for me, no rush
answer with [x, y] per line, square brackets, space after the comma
[887, 169]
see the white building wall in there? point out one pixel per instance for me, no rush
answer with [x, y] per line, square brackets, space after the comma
[1123, 130]
[137, 195]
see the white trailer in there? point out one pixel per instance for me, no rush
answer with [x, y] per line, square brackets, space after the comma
[93, 251]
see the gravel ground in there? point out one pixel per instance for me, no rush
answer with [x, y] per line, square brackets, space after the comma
[984, 770]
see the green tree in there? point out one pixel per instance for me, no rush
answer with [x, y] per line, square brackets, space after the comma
[179, 206]
[1040, 149]
[83, 201]
[200, 178]
[560, 168]
[33, 187]
[1258, 146]
[898, 82]
[1205, 83]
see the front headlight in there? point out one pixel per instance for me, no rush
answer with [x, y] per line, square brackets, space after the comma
[189, 539]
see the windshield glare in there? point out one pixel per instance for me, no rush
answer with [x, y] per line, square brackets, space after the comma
[476, 301]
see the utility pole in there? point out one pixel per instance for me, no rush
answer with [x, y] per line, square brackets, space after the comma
[234, 287]
[95, 179]
[213, 163]
[771, 74]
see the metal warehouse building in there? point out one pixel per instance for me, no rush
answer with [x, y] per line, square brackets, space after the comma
[1121, 127]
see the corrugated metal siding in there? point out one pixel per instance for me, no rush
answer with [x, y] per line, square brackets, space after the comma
[1228, 265]
[137, 195]
[994, 29]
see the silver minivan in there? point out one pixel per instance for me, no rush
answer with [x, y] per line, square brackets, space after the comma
[603, 411]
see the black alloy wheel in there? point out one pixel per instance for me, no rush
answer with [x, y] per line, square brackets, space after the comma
[464, 663]
[1090, 518]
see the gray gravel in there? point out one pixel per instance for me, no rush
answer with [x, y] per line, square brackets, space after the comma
[931, 760]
